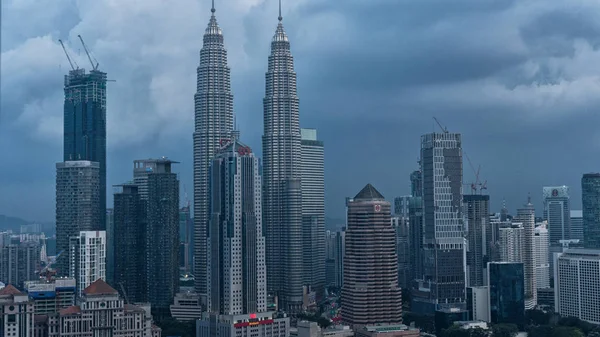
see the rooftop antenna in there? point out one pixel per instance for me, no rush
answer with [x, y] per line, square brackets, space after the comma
[94, 67]
[213, 10]
[280, 17]
[71, 62]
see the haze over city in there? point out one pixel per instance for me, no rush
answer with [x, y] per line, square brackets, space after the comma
[518, 79]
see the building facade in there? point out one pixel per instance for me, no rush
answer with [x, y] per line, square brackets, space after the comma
[478, 303]
[50, 296]
[577, 284]
[507, 292]
[266, 324]
[87, 255]
[85, 127]
[526, 216]
[335, 247]
[541, 256]
[213, 112]
[557, 211]
[235, 243]
[577, 225]
[130, 237]
[370, 263]
[443, 227]
[77, 205]
[282, 189]
[477, 215]
[312, 167]
[19, 263]
[590, 197]
[16, 313]
[402, 229]
[511, 243]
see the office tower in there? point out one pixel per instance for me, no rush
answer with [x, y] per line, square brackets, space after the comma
[507, 292]
[282, 195]
[370, 263]
[492, 237]
[162, 231]
[130, 243]
[312, 167]
[415, 221]
[16, 313]
[85, 126]
[511, 243]
[542, 265]
[557, 211]
[590, 197]
[185, 239]
[77, 204]
[416, 183]
[402, 231]
[526, 216]
[443, 242]
[87, 255]
[401, 205]
[478, 303]
[477, 214]
[576, 225]
[236, 245]
[213, 124]
[335, 248]
[110, 246]
[101, 312]
[19, 262]
[50, 296]
[577, 284]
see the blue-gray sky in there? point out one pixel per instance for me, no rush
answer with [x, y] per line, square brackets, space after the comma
[519, 79]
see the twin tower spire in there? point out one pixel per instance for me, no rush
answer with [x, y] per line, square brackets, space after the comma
[213, 10]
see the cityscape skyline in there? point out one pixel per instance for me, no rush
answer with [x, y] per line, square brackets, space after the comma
[170, 141]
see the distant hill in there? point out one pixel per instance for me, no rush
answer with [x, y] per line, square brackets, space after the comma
[14, 224]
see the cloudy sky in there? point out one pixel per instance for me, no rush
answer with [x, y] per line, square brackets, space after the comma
[519, 79]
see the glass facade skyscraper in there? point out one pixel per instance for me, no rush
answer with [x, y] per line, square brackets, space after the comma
[590, 197]
[507, 292]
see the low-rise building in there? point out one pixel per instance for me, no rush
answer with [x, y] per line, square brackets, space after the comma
[16, 313]
[387, 330]
[186, 306]
[264, 324]
[49, 296]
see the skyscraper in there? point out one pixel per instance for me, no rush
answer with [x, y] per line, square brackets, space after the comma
[443, 242]
[85, 125]
[477, 212]
[313, 209]
[87, 255]
[402, 229]
[130, 243]
[19, 262]
[557, 211]
[542, 265]
[334, 261]
[77, 200]
[506, 300]
[370, 293]
[282, 195]
[526, 216]
[590, 197]
[213, 103]
[236, 246]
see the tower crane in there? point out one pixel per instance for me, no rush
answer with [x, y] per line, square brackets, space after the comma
[444, 129]
[71, 62]
[477, 185]
[94, 67]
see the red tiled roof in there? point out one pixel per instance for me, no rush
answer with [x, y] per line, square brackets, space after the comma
[10, 290]
[99, 287]
[72, 310]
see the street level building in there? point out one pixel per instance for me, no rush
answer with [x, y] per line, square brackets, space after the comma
[266, 324]
[16, 313]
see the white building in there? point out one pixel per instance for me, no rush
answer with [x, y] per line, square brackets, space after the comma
[478, 303]
[541, 256]
[265, 324]
[511, 243]
[186, 306]
[87, 258]
[577, 284]
[526, 216]
[16, 313]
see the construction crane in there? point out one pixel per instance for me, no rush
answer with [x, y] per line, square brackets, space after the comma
[68, 57]
[477, 185]
[445, 130]
[124, 293]
[94, 67]
[47, 271]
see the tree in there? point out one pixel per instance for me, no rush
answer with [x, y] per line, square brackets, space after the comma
[567, 331]
[504, 330]
[173, 327]
[540, 331]
[538, 317]
[594, 333]
[455, 331]
[575, 322]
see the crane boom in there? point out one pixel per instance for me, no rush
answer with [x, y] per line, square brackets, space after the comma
[94, 67]
[445, 130]
[67, 54]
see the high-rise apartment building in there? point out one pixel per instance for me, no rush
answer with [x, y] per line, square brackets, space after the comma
[162, 231]
[477, 215]
[590, 197]
[19, 262]
[130, 243]
[370, 293]
[526, 216]
[282, 189]
[85, 126]
[577, 284]
[313, 209]
[87, 255]
[541, 256]
[443, 228]
[236, 245]
[213, 103]
[511, 243]
[78, 194]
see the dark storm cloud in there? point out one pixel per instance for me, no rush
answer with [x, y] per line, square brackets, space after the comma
[519, 79]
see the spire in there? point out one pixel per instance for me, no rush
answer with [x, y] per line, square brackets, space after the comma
[280, 17]
[213, 27]
[213, 10]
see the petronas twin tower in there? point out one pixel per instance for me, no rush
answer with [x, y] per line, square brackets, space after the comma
[281, 142]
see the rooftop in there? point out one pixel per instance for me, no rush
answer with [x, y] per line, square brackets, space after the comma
[72, 310]
[99, 287]
[10, 290]
[369, 193]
